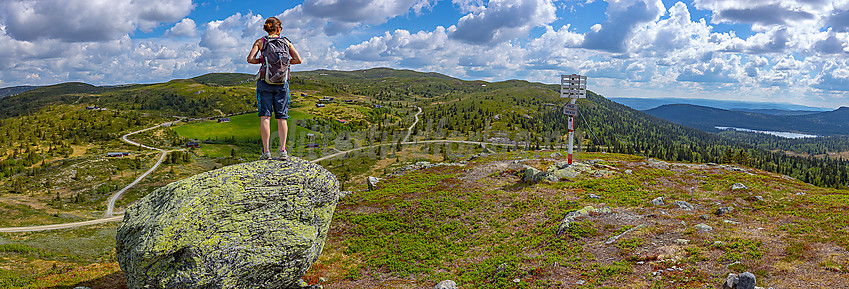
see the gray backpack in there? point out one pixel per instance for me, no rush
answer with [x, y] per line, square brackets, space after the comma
[275, 60]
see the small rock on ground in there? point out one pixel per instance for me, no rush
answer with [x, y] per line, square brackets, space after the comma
[372, 183]
[533, 175]
[730, 281]
[446, 284]
[723, 211]
[743, 281]
[739, 186]
[684, 205]
[658, 201]
[613, 239]
[704, 227]
[746, 281]
[586, 211]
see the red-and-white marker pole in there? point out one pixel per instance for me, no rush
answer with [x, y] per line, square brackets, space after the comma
[571, 126]
[572, 86]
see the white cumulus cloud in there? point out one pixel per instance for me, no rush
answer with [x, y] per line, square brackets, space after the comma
[80, 21]
[364, 11]
[184, 28]
[623, 18]
[503, 19]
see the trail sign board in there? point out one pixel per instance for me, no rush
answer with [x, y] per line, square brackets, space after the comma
[570, 110]
[573, 86]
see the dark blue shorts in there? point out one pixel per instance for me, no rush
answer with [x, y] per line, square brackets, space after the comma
[274, 98]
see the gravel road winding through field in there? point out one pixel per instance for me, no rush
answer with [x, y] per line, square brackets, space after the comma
[110, 204]
[410, 129]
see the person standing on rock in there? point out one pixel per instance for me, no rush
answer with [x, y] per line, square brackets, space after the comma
[275, 53]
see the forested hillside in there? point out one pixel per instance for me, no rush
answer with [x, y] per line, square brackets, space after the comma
[524, 113]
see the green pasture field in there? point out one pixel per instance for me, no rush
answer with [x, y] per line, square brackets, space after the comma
[243, 127]
[216, 151]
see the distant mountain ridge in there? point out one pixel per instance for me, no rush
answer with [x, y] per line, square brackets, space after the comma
[773, 111]
[705, 118]
[760, 107]
[7, 91]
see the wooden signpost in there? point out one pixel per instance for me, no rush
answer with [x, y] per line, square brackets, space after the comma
[572, 86]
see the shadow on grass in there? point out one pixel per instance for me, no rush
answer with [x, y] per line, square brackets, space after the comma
[112, 281]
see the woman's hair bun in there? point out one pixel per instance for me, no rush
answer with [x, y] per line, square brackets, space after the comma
[270, 23]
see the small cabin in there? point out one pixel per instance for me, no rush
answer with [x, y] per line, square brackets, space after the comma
[313, 146]
[192, 144]
[342, 121]
[319, 105]
[377, 106]
[117, 155]
[223, 119]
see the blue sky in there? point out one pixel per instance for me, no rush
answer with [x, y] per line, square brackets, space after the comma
[759, 51]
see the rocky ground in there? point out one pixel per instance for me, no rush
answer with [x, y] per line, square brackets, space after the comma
[498, 222]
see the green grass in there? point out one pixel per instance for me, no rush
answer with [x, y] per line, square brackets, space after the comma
[578, 230]
[58, 258]
[216, 150]
[423, 226]
[78, 245]
[736, 249]
[243, 127]
[17, 248]
[18, 215]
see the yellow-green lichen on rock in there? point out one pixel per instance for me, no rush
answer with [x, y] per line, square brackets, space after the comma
[253, 225]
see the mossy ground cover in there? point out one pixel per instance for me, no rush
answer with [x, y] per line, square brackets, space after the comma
[497, 232]
[60, 259]
[21, 215]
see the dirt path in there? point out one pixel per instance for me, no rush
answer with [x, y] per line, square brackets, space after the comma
[410, 129]
[61, 226]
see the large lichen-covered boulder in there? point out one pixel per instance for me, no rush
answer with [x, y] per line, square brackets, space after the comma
[253, 225]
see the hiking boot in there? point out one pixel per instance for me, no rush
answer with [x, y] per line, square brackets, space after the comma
[282, 155]
[265, 156]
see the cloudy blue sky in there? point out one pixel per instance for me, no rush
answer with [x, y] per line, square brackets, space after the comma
[755, 50]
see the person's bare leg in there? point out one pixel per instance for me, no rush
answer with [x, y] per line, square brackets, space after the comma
[265, 131]
[283, 132]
